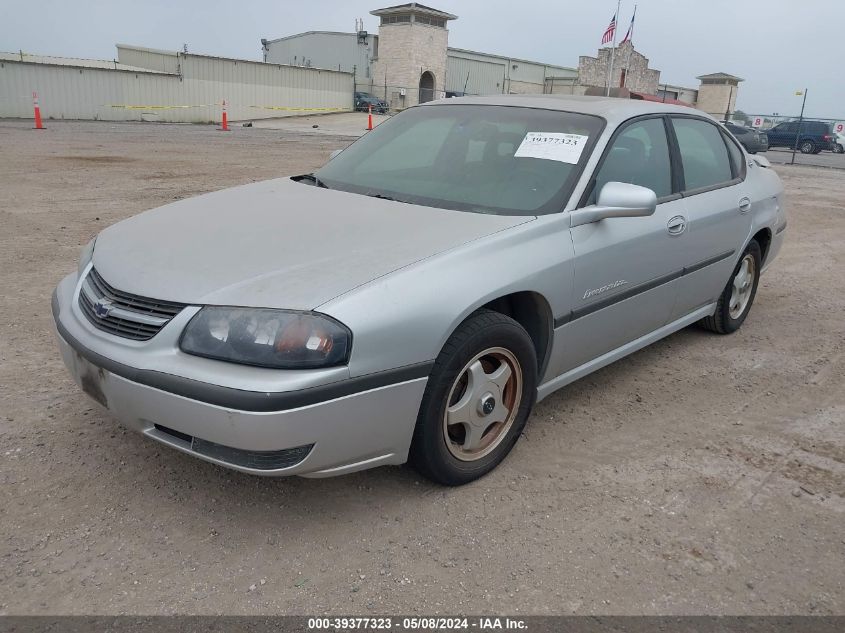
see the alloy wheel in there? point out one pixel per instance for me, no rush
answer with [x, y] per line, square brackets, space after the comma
[482, 404]
[743, 285]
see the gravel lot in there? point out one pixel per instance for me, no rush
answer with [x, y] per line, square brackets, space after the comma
[704, 474]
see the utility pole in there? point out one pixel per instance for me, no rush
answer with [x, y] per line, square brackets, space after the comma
[613, 48]
[800, 121]
[728, 107]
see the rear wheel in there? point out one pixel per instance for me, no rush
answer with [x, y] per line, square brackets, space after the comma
[478, 398]
[735, 301]
[838, 148]
[807, 147]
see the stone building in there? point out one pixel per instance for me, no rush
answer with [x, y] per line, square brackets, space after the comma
[411, 59]
[630, 70]
[717, 93]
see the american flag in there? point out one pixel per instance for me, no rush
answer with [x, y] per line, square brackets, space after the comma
[608, 34]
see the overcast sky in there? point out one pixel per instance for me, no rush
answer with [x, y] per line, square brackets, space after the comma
[777, 46]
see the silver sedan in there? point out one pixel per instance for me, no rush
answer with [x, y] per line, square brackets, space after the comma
[415, 297]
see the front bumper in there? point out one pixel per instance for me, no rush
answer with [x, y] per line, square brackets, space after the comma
[337, 435]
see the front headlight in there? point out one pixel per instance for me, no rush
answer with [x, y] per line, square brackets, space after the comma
[279, 339]
[85, 257]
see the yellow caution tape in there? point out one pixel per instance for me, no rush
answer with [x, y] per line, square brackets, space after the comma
[300, 109]
[228, 105]
[158, 107]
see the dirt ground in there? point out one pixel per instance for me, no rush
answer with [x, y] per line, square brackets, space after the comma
[704, 474]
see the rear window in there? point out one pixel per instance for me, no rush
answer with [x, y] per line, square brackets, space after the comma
[820, 128]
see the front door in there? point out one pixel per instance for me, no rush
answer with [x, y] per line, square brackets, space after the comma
[426, 87]
[783, 135]
[626, 269]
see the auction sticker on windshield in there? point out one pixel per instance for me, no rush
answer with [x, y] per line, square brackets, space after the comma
[558, 146]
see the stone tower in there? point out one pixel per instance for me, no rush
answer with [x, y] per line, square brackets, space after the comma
[717, 93]
[410, 66]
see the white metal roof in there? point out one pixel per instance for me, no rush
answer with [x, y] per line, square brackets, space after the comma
[76, 62]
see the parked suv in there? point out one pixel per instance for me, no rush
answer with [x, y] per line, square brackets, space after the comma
[814, 137]
[363, 101]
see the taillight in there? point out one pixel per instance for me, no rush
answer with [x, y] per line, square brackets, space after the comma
[827, 137]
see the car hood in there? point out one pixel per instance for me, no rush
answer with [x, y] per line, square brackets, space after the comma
[277, 244]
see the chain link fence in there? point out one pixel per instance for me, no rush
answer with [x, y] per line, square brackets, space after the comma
[768, 121]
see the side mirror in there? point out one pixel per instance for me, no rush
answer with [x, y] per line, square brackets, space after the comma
[335, 153]
[617, 200]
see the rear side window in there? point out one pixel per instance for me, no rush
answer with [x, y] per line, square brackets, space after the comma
[703, 154]
[639, 156]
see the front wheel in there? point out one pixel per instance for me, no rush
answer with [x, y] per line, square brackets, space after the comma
[838, 149]
[478, 398]
[735, 301]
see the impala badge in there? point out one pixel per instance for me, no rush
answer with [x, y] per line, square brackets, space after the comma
[598, 291]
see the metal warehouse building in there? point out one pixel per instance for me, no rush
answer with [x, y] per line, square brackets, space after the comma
[155, 85]
[409, 61]
[413, 38]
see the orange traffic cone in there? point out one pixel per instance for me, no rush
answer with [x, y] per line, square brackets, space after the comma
[225, 125]
[370, 118]
[38, 124]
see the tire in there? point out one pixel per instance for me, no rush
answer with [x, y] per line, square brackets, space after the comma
[728, 318]
[838, 149]
[457, 453]
[807, 147]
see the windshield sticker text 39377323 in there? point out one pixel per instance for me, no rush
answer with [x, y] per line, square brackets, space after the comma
[565, 148]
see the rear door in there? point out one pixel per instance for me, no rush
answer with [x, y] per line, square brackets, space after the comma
[625, 268]
[717, 206]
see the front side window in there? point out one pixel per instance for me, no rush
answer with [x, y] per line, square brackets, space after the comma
[485, 159]
[639, 155]
[704, 155]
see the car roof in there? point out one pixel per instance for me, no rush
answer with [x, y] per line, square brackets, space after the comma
[613, 109]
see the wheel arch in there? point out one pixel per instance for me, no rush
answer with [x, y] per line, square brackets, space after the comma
[532, 311]
[764, 239]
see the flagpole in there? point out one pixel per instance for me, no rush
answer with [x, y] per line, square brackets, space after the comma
[630, 48]
[613, 49]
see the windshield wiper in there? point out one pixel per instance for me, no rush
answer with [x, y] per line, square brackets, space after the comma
[314, 179]
[381, 196]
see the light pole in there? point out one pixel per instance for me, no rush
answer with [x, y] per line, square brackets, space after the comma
[800, 121]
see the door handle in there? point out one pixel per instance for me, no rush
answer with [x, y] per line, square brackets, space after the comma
[677, 225]
[744, 205]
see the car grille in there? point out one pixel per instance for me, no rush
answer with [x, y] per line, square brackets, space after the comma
[121, 313]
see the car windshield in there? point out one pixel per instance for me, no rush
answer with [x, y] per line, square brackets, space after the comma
[485, 159]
